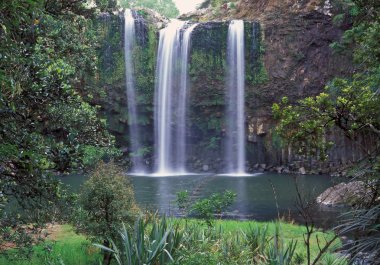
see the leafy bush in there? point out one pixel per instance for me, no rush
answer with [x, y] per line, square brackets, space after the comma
[105, 202]
[93, 154]
[205, 208]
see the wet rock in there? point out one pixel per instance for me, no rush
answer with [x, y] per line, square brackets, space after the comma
[263, 166]
[302, 171]
[279, 169]
[346, 194]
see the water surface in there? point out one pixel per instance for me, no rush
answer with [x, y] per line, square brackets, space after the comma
[256, 197]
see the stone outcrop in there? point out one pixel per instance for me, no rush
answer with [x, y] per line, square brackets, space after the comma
[346, 194]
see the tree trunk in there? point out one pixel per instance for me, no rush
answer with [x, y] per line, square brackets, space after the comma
[107, 256]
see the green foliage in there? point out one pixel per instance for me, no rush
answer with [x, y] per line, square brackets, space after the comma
[105, 202]
[183, 200]
[352, 106]
[47, 52]
[257, 238]
[93, 155]
[164, 7]
[156, 245]
[206, 208]
[104, 5]
[278, 253]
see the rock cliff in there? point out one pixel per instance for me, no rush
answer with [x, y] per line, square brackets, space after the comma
[287, 54]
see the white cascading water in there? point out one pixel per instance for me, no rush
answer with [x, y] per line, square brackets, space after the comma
[182, 101]
[129, 42]
[235, 146]
[170, 99]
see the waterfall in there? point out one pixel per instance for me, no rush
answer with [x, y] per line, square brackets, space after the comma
[235, 123]
[129, 43]
[170, 99]
[182, 101]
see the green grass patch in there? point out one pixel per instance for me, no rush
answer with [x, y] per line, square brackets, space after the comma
[67, 246]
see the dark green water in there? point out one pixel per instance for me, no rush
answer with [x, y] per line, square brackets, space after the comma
[255, 195]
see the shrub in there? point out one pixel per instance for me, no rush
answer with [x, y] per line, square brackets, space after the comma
[205, 208]
[105, 202]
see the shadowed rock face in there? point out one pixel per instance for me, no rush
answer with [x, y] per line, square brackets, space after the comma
[298, 58]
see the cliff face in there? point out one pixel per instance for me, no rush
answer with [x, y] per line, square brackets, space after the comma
[295, 60]
[287, 54]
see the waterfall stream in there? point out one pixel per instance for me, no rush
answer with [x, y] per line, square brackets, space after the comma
[129, 43]
[170, 99]
[182, 101]
[235, 118]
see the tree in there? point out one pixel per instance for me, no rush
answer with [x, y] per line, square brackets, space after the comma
[47, 125]
[105, 202]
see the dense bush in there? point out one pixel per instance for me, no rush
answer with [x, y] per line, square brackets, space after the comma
[205, 208]
[105, 202]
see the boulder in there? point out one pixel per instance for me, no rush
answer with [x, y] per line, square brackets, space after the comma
[263, 166]
[279, 169]
[302, 171]
[347, 194]
[205, 168]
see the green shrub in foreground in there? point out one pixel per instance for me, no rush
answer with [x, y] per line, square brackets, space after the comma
[105, 202]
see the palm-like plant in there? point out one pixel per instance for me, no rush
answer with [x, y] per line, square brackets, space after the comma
[156, 246]
[365, 224]
[280, 253]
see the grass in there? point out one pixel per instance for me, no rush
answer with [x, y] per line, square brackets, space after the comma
[73, 249]
[66, 245]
